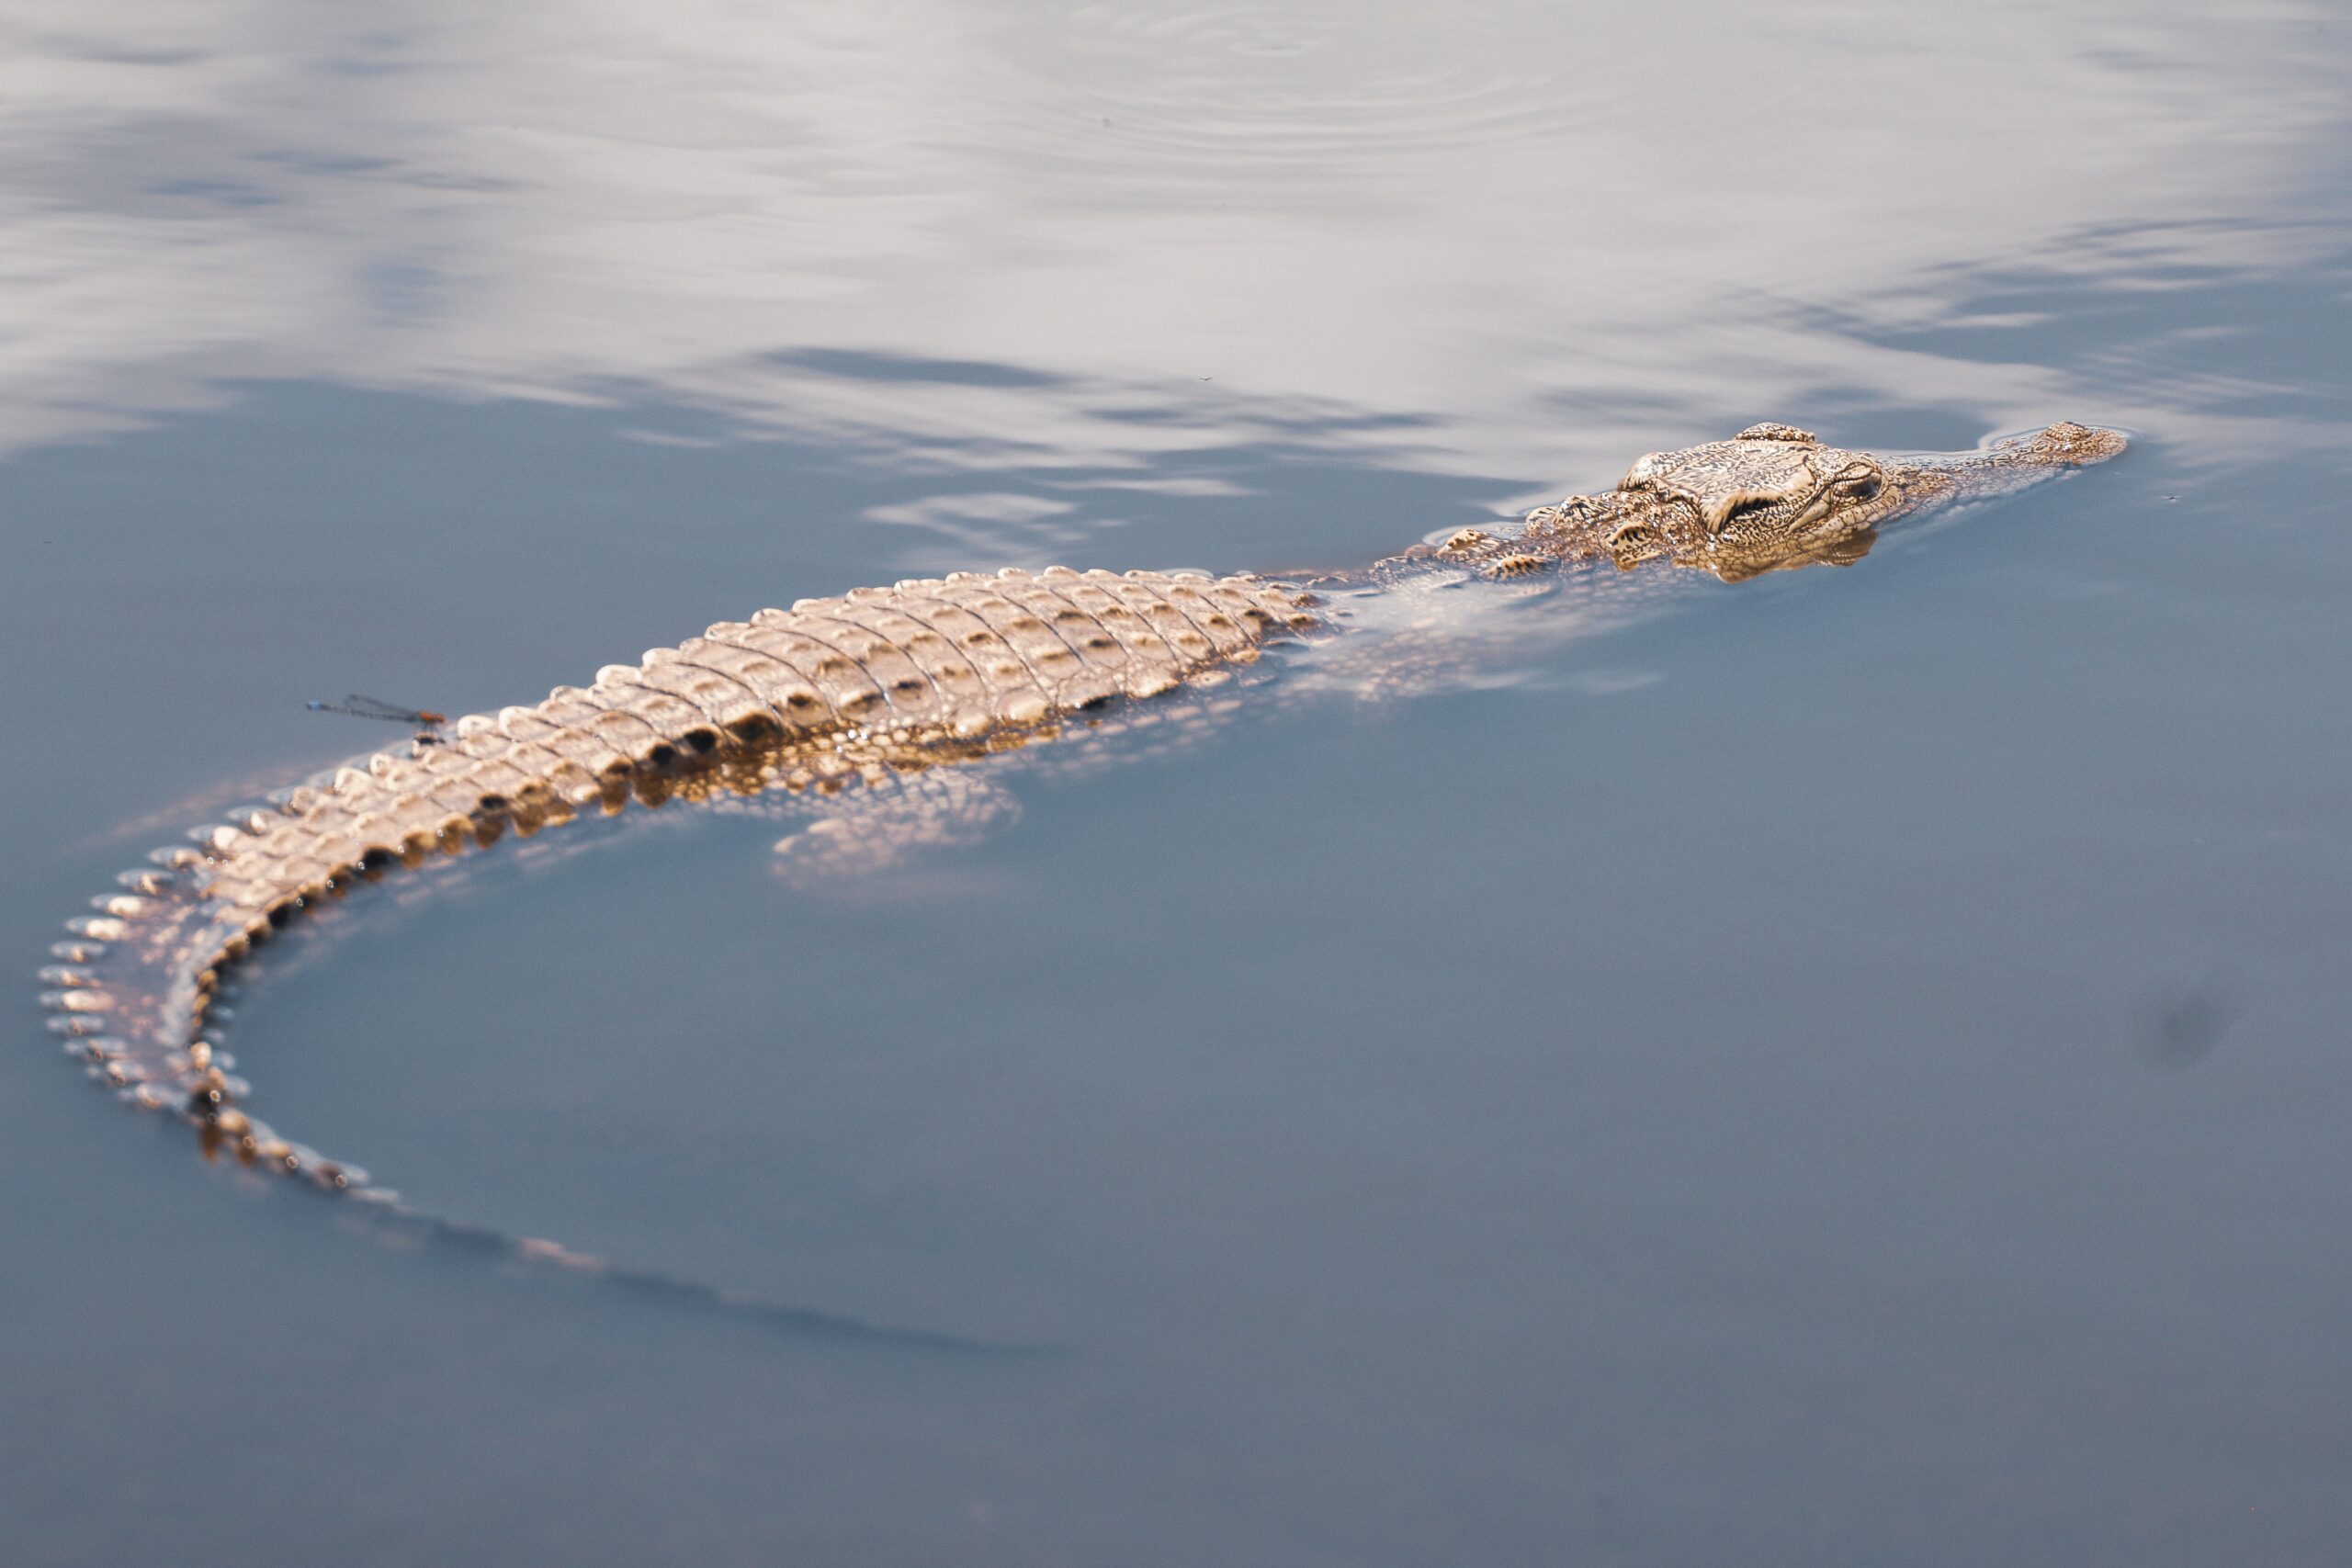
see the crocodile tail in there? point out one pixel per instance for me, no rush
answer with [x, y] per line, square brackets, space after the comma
[132, 992]
[131, 996]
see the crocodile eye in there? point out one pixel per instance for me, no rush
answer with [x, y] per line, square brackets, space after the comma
[1859, 481]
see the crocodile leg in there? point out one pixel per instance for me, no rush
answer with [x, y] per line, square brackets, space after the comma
[883, 827]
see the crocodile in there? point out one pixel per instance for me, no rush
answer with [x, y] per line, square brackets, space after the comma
[895, 690]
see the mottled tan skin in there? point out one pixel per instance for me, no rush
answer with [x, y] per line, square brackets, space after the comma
[879, 684]
[1771, 499]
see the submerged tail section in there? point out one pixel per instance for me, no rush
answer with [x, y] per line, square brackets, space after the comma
[133, 994]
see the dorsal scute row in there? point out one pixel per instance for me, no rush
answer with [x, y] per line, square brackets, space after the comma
[953, 660]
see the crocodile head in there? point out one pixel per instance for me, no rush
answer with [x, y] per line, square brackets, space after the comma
[1773, 497]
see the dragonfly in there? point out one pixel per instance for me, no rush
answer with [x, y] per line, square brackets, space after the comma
[424, 720]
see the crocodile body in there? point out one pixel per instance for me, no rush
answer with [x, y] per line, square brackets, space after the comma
[882, 685]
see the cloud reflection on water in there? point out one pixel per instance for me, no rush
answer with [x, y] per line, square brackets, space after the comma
[994, 228]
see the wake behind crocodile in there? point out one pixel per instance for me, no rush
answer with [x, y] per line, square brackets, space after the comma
[888, 721]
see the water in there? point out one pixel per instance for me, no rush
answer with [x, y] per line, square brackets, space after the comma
[1852, 1072]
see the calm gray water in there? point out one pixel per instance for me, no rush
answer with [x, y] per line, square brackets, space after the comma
[1856, 1071]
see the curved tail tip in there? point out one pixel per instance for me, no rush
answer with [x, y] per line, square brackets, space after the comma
[2077, 445]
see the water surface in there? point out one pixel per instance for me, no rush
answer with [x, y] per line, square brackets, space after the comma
[1853, 1071]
